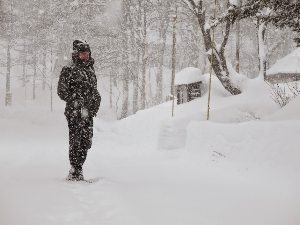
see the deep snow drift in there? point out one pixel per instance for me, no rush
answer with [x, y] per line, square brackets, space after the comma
[242, 167]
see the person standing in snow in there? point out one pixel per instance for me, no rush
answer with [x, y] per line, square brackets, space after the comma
[77, 86]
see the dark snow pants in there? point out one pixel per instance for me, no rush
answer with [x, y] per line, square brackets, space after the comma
[80, 140]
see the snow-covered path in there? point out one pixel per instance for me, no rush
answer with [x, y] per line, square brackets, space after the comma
[142, 183]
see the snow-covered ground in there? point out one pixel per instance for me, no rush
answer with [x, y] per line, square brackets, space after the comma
[240, 168]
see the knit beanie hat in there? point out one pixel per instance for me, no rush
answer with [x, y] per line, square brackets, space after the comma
[81, 46]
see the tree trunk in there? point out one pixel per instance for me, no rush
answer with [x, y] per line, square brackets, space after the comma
[238, 31]
[134, 66]
[237, 53]
[136, 84]
[262, 49]
[125, 59]
[164, 23]
[51, 79]
[218, 59]
[8, 99]
[124, 112]
[8, 96]
[110, 87]
[34, 77]
[159, 76]
[24, 65]
[144, 60]
[44, 70]
[24, 78]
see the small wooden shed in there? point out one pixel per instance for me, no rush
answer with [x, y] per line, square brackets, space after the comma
[188, 84]
[286, 69]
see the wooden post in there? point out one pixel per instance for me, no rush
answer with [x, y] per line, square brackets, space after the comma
[174, 61]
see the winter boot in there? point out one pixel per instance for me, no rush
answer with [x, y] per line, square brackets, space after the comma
[75, 175]
[71, 176]
[78, 175]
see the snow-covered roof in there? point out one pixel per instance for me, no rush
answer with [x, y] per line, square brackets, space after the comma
[188, 75]
[234, 2]
[289, 64]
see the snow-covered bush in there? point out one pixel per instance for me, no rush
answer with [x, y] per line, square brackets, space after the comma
[282, 94]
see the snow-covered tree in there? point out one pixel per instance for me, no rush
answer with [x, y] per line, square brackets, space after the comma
[215, 50]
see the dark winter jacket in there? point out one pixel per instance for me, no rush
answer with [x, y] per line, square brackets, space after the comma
[77, 86]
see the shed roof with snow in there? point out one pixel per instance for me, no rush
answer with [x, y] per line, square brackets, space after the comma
[286, 69]
[188, 75]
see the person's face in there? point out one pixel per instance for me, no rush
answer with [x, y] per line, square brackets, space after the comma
[84, 56]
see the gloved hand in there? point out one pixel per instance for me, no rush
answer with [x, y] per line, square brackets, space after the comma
[94, 103]
[79, 103]
[84, 113]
